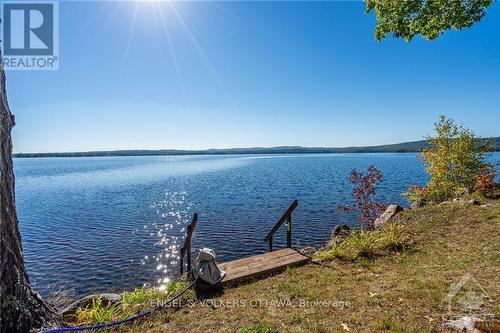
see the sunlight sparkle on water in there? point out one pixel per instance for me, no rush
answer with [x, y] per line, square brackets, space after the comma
[172, 210]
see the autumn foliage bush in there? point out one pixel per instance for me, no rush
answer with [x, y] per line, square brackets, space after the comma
[485, 181]
[455, 163]
[364, 196]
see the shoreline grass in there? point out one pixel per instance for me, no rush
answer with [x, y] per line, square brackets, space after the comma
[366, 244]
[133, 303]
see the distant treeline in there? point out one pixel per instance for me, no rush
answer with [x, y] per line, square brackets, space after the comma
[405, 147]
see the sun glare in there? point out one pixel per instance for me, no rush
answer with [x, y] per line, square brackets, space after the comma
[164, 13]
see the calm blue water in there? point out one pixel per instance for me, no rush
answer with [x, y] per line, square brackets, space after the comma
[96, 224]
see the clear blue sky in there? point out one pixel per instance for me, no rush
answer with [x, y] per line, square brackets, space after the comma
[233, 74]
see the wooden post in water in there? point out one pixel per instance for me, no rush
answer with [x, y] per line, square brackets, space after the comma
[289, 232]
[186, 249]
[271, 244]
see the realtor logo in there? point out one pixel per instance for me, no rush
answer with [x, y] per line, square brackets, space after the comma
[30, 35]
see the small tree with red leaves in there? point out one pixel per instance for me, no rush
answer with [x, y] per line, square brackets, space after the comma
[364, 196]
[485, 181]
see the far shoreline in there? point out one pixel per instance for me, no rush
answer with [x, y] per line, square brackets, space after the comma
[62, 155]
[405, 147]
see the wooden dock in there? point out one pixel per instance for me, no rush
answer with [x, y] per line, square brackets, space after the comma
[261, 265]
[255, 266]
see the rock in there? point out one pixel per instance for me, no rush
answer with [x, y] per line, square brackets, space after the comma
[316, 260]
[417, 204]
[307, 251]
[340, 231]
[387, 215]
[464, 201]
[338, 234]
[68, 313]
[328, 245]
[485, 205]
[461, 201]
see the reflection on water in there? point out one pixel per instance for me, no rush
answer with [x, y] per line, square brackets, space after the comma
[95, 224]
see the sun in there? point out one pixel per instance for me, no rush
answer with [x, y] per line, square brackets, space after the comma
[163, 13]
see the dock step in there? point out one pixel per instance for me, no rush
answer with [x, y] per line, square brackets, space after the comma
[261, 265]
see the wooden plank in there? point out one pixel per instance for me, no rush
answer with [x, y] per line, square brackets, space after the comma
[259, 271]
[261, 264]
[264, 265]
[267, 258]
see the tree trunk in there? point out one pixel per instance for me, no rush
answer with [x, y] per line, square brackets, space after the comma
[21, 308]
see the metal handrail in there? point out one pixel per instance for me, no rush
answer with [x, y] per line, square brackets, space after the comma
[286, 217]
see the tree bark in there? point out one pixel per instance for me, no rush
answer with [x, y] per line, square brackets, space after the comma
[21, 308]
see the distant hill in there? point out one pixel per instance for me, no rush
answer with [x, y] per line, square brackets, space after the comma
[405, 147]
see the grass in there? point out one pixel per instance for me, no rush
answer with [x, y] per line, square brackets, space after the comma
[258, 328]
[134, 302]
[400, 286]
[395, 237]
[97, 313]
[361, 244]
[141, 296]
[151, 296]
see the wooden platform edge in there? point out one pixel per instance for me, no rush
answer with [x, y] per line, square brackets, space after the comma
[232, 282]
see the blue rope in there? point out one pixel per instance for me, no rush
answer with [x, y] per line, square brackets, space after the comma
[119, 322]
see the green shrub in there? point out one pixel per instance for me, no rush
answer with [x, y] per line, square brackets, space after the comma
[454, 161]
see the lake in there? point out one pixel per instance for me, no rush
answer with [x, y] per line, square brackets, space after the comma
[105, 223]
